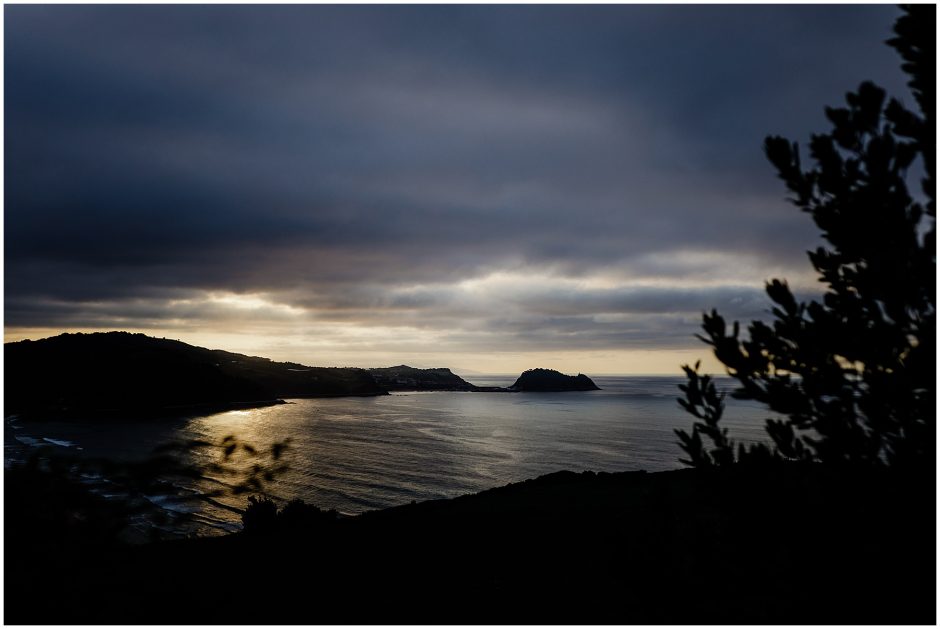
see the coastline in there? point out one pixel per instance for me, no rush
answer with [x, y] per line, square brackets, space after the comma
[141, 412]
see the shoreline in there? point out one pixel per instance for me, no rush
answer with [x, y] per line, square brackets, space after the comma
[171, 412]
[208, 408]
[163, 412]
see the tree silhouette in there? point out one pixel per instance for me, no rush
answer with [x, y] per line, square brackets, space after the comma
[853, 375]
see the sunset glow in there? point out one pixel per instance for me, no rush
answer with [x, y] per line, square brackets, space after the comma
[487, 206]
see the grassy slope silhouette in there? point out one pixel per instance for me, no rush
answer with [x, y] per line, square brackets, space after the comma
[792, 543]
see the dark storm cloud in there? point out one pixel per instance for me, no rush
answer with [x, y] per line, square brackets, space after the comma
[335, 157]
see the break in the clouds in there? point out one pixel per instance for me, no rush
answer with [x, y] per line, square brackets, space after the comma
[433, 184]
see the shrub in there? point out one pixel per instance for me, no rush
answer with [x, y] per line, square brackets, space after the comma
[853, 375]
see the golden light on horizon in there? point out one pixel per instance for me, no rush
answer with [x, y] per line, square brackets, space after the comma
[500, 323]
[307, 349]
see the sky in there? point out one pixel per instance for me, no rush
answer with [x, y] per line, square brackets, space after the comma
[486, 188]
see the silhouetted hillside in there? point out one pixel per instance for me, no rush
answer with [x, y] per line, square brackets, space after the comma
[784, 544]
[101, 373]
[551, 380]
[405, 378]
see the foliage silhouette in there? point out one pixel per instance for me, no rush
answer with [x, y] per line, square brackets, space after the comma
[260, 515]
[263, 516]
[297, 514]
[48, 482]
[853, 376]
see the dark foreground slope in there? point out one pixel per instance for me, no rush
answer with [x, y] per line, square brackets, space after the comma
[79, 374]
[551, 380]
[788, 544]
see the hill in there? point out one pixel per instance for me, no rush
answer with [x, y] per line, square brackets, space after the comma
[133, 374]
[405, 378]
[786, 544]
[551, 380]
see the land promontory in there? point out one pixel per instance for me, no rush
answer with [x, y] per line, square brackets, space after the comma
[127, 375]
[133, 374]
[405, 378]
[551, 380]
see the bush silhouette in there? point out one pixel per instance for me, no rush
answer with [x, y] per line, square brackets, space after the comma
[260, 516]
[297, 514]
[853, 375]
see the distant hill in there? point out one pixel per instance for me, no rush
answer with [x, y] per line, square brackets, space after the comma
[405, 378]
[133, 374]
[551, 380]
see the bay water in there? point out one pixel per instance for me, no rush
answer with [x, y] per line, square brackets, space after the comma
[361, 453]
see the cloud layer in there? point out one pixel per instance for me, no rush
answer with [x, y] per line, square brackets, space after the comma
[455, 179]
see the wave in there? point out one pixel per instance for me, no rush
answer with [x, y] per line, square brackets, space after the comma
[59, 442]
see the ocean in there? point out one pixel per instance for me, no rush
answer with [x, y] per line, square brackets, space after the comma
[358, 454]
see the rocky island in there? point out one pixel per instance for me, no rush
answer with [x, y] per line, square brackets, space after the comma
[405, 378]
[551, 380]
